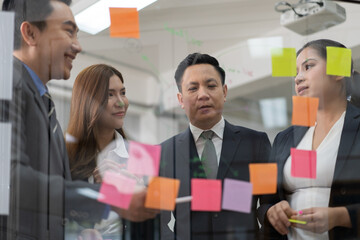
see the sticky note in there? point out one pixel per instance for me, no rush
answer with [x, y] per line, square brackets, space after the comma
[263, 176]
[338, 61]
[304, 111]
[237, 195]
[124, 23]
[117, 190]
[144, 159]
[283, 62]
[206, 194]
[161, 193]
[303, 163]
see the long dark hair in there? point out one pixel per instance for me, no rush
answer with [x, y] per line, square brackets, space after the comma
[89, 99]
[352, 83]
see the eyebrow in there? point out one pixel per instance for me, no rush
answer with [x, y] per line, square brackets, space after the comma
[308, 59]
[207, 81]
[211, 80]
[114, 90]
[72, 24]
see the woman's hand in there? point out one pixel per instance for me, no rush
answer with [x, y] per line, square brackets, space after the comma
[323, 219]
[106, 165]
[279, 214]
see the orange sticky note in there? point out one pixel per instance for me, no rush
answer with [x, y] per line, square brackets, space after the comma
[304, 111]
[263, 176]
[162, 193]
[124, 23]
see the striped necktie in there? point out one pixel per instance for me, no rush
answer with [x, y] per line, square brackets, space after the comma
[208, 156]
[49, 104]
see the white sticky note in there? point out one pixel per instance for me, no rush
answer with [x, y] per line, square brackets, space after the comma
[6, 57]
[5, 150]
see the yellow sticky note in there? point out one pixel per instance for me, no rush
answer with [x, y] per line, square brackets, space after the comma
[162, 193]
[283, 62]
[304, 111]
[124, 23]
[338, 61]
[263, 176]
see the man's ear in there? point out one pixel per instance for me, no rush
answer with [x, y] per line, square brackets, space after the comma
[225, 91]
[29, 33]
[180, 99]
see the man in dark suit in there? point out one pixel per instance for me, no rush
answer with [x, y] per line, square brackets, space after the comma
[43, 198]
[202, 93]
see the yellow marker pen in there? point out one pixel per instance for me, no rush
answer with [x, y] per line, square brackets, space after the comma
[297, 221]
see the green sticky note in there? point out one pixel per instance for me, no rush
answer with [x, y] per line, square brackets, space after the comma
[338, 61]
[283, 62]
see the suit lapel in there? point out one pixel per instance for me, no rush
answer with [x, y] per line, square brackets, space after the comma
[348, 137]
[230, 145]
[182, 172]
[182, 163]
[283, 151]
[28, 81]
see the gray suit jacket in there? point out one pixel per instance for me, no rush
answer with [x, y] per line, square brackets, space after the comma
[43, 196]
[240, 147]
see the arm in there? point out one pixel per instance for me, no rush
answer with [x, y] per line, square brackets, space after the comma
[38, 176]
[273, 213]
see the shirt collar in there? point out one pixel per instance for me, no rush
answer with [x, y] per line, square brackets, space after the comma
[38, 83]
[120, 148]
[218, 129]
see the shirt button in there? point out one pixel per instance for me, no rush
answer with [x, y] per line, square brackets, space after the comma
[216, 215]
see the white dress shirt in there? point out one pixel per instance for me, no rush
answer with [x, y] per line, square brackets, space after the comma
[217, 139]
[306, 192]
[117, 152]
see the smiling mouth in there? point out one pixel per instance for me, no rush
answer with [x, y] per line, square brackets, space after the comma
[301, 90]
[119, 114]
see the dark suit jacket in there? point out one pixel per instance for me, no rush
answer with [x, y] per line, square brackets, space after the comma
[345, 189]
[240, 147]
[43, 197]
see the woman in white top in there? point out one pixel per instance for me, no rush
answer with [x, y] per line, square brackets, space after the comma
[98, 108]
[330, 203]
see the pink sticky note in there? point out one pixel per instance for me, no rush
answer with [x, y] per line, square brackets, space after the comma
[144, 159]
[206, 195]
[303, 163]
[237, 195]
[117, 190]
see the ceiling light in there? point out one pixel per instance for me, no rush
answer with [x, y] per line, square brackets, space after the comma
[96, 18]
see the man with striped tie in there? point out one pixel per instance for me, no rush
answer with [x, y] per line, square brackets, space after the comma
[43, 196]
[209, 148]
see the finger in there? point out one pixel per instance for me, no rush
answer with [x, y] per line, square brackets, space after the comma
[308, 211]
[274, 218]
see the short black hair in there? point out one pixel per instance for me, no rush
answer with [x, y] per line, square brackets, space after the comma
[33, 11]
[197, 58]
